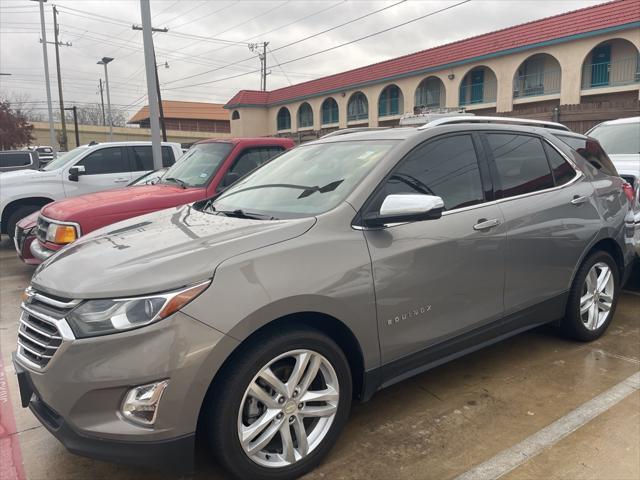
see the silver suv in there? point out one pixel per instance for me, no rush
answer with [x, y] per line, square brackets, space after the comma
[339, 268]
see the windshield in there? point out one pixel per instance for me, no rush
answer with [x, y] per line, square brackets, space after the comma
[307, 180]
[63, 158]
[198, 166]
[620, 139]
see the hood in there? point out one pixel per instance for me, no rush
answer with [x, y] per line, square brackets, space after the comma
[157, 252]
[28, 175]
[97, 209]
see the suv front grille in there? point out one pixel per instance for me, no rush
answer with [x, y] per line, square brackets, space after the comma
[41, 229]
[38, 334]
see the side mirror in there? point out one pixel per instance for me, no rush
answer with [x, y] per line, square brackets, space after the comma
[75, 172]
[404, 208]
[229, 179]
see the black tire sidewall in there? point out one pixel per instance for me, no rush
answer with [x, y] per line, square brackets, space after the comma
[573, 324]
[225, 402]
[18, 215]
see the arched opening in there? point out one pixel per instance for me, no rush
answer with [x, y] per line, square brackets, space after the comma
[284, 119]
[330, 111]
[430, 93]
[390, 101]
[610, 64]
[235, 115]
[479, 85]
[358, 107]
[305, 116]
[539, 74]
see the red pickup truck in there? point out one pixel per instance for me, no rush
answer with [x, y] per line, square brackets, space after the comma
[206, 168]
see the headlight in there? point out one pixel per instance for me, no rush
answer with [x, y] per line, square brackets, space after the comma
[102, 317]
[61, 234]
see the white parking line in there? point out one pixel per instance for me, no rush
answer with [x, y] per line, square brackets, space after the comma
[512, 457]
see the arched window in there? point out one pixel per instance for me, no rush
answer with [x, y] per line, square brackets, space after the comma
[358, 107]
[284, 119]
[390, 101]
[479, 85]
[611, 63]
[540, 74]
[305, 116]
[430, 93]
[235, 115]
[329, 111]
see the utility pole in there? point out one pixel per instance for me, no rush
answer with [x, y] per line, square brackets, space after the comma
[75, 123]
[262, 55]
[152, 88]
[155, 62]
[104, 121]
[46, 74]
[56, 30]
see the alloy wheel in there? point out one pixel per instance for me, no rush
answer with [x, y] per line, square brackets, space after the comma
[597, 296]
[288, 408]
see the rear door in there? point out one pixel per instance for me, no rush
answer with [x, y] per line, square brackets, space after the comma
[105, 168]
[141, 159]
[437, 279]
[550, 217]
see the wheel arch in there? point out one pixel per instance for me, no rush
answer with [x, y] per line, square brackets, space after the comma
[11, 207]
[606, 244]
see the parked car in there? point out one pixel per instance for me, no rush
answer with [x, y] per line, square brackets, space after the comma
[46, 153]
[86, 169]
[341, 267]
[11, 160]
[25, 232]
[621, 140]
[204, 170]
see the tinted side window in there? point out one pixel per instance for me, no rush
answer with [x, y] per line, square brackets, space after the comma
[592, 152]
[253, 158]
[446, 167]
[167, 157]
[521, 164]
[17, 159]
[105, 160]
[141, 158]
[562, 171]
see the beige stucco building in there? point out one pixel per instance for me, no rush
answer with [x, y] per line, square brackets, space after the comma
[587, 57]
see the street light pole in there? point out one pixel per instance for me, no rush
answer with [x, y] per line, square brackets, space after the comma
[104, 122]
[105, 61]
[152, 89]
[46, 74]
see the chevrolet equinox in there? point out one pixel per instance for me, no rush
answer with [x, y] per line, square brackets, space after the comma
[341, 267]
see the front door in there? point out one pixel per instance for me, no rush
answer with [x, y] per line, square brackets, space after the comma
[105, 168]
[477, 86]
[600, 65]
[437, 278]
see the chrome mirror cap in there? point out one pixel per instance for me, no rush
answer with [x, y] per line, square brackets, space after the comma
[410, 204]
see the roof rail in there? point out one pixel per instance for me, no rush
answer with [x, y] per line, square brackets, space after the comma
[345, 131]
[498, 120]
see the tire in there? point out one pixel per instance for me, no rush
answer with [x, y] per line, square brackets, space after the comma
[592, 324]
[228, 405]
[17, 215]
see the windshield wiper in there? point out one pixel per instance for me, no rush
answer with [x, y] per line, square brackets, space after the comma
[306, 190]
[239, 213]
[178, 181]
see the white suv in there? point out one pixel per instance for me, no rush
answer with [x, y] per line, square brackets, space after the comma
[86, 169]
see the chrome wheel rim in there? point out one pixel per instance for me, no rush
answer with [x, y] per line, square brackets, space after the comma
[288, 408]
[597, 296]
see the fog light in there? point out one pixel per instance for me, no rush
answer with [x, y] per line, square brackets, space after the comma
[141, 403]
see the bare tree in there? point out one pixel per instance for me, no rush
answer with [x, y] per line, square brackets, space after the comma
[91, 114]
[23, 105]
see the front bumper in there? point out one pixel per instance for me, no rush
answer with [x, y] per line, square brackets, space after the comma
[175, 455]
[39, 252]
[78, 394]
[22, 240]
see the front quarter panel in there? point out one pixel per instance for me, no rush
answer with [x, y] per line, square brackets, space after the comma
[327, 270]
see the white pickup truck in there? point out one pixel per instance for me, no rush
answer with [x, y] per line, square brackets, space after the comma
[86, 169]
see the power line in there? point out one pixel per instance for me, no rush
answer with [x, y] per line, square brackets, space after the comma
[330, 48]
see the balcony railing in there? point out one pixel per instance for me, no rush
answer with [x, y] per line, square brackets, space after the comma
[546, 82]
[483, 92]
[624, 71]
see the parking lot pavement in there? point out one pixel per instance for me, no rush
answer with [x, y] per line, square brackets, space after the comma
[484, 409]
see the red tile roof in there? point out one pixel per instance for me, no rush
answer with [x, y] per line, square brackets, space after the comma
[550, 29]
[186, 111]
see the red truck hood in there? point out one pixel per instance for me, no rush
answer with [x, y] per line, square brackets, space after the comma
[96, 210]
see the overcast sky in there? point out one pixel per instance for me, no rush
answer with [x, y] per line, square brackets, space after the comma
[103, 28]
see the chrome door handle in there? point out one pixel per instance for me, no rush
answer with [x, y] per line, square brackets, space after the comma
[121, 180]
[579, 200]
[486, 224]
